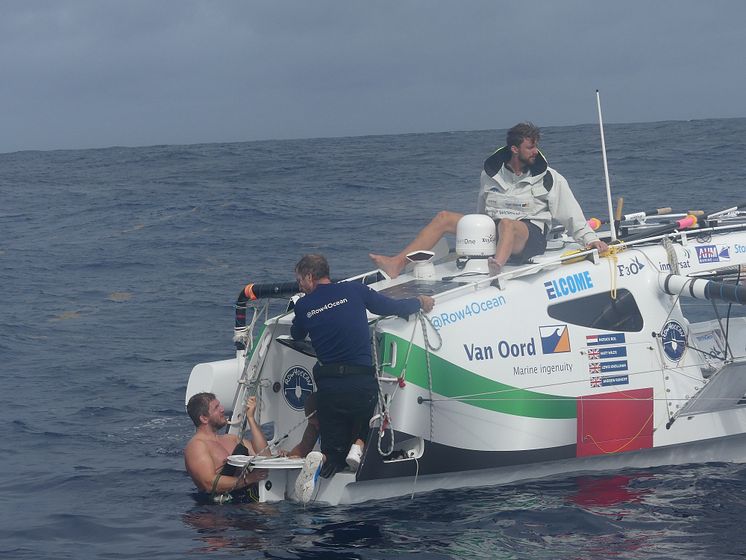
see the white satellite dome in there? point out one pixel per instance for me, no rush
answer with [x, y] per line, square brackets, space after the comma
[475, 236]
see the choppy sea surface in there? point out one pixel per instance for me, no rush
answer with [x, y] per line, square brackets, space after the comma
[119, 268]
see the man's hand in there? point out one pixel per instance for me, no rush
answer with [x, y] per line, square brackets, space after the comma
[250, 407]
[255, 476]
[426, 303]
[493, 266]
[598, 244]
[283, 453]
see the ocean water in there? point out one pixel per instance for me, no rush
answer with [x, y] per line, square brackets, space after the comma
[119, 269]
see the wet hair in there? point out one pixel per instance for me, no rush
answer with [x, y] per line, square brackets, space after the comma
[522, 131]
[199, 405]
[315, 265]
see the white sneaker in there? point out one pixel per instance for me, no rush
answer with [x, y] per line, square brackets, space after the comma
[305, 484]
[354, 456]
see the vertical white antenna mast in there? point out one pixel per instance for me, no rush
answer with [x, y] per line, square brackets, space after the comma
[606, 168]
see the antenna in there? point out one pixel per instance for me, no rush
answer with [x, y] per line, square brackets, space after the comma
[612, 228]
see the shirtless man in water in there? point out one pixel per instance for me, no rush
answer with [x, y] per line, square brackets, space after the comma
[206, 453]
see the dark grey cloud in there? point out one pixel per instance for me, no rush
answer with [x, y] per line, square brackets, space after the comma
[88, 73]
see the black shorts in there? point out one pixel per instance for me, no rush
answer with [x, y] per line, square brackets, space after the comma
[535, 245]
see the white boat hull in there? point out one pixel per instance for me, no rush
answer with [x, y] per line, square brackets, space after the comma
[558, 367]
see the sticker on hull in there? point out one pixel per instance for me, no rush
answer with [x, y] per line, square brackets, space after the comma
[713, 253]
[297, 384]
[603, 339]
[673, 336]
[609, 380]
[568, 285]
[555, 339]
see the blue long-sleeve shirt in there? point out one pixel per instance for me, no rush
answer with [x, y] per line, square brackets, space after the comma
[335, 318]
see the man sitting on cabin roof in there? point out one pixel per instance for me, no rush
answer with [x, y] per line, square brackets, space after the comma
[522, 194]
[206, 453]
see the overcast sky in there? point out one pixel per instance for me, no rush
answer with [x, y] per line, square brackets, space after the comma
[96, 73]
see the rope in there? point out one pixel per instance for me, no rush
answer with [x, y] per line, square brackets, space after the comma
[673, 259]
[656, 399]
[613, 260]
[424, 321]
[730, 306]
[385, 404]
[245, 334]
[384, 414]
[633, 438]
[251, 383]
[673, 415]
[724, 330]
[471, 396]
[270, 445]
[416, 475]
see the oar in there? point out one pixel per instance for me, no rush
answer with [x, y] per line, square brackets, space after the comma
[701, 288]
[270, 289]
[595, 223]
[286, 289]
[719, 213]
[252, 292]
[676, 225]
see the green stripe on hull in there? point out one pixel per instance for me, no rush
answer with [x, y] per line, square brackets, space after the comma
[450, 380]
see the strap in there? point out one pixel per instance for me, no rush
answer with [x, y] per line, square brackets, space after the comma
[215, 483]
[340, 370]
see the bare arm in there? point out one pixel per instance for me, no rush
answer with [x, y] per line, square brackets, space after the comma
[306, 444]
[258, 443]
[199, 465]
[202, 470]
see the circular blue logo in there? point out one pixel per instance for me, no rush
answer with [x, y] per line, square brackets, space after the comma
[297, 384]
[674, 340]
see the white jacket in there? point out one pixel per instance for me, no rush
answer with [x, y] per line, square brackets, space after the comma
[539, 197]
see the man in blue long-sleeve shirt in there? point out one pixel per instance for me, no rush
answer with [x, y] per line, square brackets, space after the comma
[334, 315]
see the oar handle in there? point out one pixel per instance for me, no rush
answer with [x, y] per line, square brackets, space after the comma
[595, 223]
[646, 213]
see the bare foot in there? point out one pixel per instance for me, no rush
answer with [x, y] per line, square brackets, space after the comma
[495, 267]
[390, 265]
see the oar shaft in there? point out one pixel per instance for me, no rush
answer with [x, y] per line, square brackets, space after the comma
[596, 223]
[700, 288]
[676, 225]
[277, 289]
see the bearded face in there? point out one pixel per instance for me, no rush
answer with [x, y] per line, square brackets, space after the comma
[216, 415]
[526, 152]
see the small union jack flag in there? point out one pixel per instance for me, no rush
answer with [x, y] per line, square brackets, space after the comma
[594, 367]
[594, 354]
[595, 381]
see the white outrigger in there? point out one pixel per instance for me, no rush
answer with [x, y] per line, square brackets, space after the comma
[572, 363]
